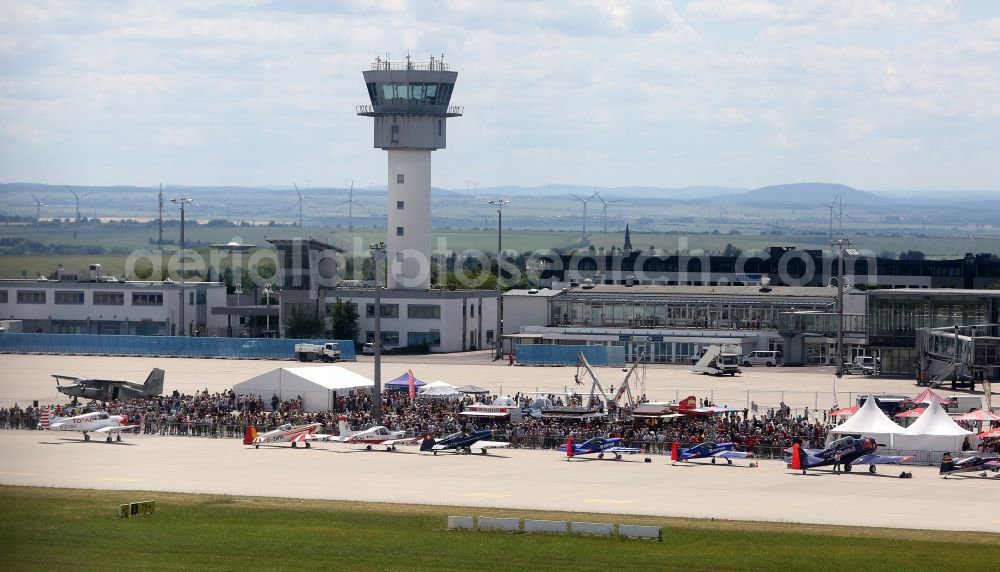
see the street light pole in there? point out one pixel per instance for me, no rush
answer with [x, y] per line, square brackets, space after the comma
[498, 334]
[182, 201]
[378, 255]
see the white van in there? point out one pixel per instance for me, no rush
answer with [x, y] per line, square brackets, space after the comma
[763, 357]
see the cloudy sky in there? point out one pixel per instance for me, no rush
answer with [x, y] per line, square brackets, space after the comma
[880, 95]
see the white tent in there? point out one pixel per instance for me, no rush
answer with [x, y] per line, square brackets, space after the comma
[932, 431]
[870, 421]
[439, 390]
[315, 385]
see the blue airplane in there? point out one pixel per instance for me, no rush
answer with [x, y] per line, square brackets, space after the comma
[598, 445]
[980, 463]
[707, 449]
[853, 451]
[462, 442]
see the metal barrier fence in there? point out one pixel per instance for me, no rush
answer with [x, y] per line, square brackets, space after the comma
[546, 354]
[95, 344]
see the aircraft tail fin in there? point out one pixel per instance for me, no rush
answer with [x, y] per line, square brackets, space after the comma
[345, 429]
[947, 465]
[675, 451]
[569, 447]
[250, 435]
[427, 444]
[154, 383]
[797, 457]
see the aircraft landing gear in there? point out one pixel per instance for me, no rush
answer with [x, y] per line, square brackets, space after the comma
[484, 451]
[713, 460]
[307, 444]
[600, 455]
[118, 438]
[294, 444]
[871, 469]
[847, 467]
[618, 457]
[86, 437]
[368, 447]
[392, 448]
[257, 446]
[109, 438]
[729, 461]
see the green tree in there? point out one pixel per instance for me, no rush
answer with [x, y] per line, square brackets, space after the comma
[302, 324]
[344, 317]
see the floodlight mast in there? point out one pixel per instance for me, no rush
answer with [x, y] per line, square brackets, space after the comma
[182, 201]
[498, 335]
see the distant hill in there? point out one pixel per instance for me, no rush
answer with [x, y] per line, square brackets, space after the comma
[805, 194]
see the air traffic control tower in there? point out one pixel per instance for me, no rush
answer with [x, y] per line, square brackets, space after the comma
[409, 101]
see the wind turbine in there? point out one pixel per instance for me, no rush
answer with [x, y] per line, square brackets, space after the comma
[604, 209]
[299, 202]
[350, 202]
[584, 201]
[78, 197]
[837, 204]
[39, 203]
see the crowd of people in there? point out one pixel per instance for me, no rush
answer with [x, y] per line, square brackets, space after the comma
[227, 414]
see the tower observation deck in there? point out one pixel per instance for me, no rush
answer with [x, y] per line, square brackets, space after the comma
[410, 104]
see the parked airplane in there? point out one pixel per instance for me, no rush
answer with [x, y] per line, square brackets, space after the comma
[378, 435]
[707, 449]
[462, 442]
[96, 422]
[599, 445]
[294, 433]
[970, 465]
[852, 452]
[111, 389]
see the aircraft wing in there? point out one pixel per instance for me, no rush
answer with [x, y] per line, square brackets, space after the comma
[489, 445]
[629, 450]
[881, 459]
[733, 454]
[317, 437]
[402, 441]
[111, 429]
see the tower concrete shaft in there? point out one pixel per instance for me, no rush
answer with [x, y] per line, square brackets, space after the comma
[410, 105]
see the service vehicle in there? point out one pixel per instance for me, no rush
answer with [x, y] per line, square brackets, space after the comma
[329, 351]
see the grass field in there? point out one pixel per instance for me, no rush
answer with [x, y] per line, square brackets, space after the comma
[48, 529]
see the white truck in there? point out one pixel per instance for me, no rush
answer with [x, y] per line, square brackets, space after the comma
[720, 360]
[330, 351]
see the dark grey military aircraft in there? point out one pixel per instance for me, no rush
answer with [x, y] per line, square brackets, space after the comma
[111, 389]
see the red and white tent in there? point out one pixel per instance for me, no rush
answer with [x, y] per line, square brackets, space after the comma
[993, 433]
[910, 413]
[845, 412]
[978, 415]
[928, 396]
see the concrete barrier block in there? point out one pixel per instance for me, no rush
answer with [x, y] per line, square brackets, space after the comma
[531, 525]
[460, 523]
[639, 531]
[592, 528]
[499, 524]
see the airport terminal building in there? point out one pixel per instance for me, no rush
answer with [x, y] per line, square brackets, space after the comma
[669, 323]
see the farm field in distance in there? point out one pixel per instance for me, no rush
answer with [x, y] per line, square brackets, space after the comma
[125, 238]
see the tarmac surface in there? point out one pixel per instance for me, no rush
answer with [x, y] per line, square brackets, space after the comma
[528, 479]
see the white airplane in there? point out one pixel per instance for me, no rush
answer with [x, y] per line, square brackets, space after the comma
[96, 422]
[378, 435]
[293, 433]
